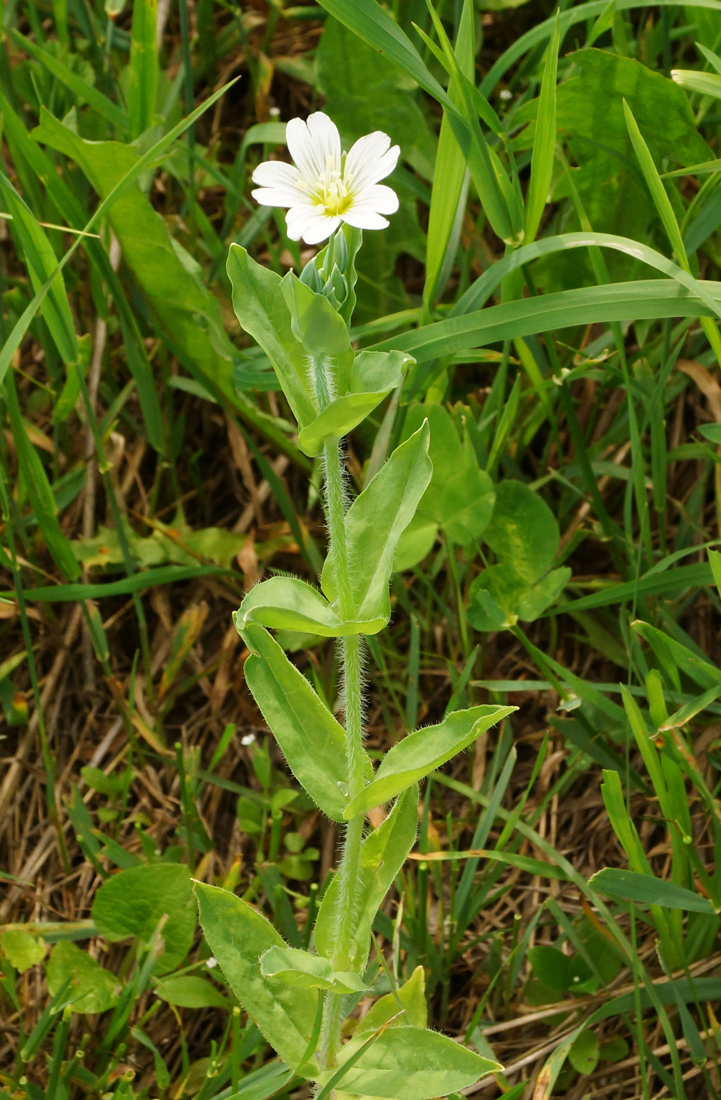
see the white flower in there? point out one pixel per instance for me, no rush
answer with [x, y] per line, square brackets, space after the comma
[326, 187]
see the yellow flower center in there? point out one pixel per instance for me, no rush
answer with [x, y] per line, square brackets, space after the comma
[333, 193]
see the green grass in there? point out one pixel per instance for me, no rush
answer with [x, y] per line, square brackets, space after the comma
[149, 475]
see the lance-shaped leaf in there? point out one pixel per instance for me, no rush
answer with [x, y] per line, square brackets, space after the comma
[382, 855]
[41, 262]
[311, 740]
[302, 970]
[238, 935]
[261, 308]
[419, 754]
[411, 1063]
[288, 603]
[372, 378]
[375, 521]
[315, 324]
[649, 890]
[406, 1007]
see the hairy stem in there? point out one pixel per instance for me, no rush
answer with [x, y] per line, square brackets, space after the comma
[335, 508]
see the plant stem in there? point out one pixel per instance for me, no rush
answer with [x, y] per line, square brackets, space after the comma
[335, 507]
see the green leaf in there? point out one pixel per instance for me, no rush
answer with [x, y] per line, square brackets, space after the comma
[374, 25]
[311, 740]
[315, 324]
[499, 597]
[41, 262]
[544, 142]
[551, 967]
[133, 902]
[648, 890]
[38, 488]
[403, 1008]
[92, 989]
[238, 935]
[542, 594]
[655, 185]
[519, 511]
[372, 378]
[374, 523]
[188, 311]
[143, 80]
[460, 496]
[301, 970]
[410, 1063]
[420, 753]
[585, 1052]
[450, 177]
[261, 308]
[383, 853]
[288, 603]
[416, 541]
[81, 88]
[590, 102]
[126, 181]
[190, 991]
[703, 83]
[21, 949]
[714, 558]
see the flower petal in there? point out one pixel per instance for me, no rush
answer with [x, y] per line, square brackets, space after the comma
[278, 196]
[307, 222]
[364, 217]
[378, 197]
[276, 173]
[311, 143]
[370, 159]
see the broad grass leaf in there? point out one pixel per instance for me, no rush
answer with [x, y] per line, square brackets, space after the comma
[420, 753]
[238, 935]
[450, 177]
[301, 970]
[460, 497]
[143, 76]
[702, 83]
[41, 261]
[132, 903]
[38, 488]
[82, 89]
[368, 92]
[288, 603]
[589, 104]
[410, 1063]
[649, 890]
[92, 988]
[374, 523]
[544, 141]
[311, 739]
[383, 853]
[187, 310]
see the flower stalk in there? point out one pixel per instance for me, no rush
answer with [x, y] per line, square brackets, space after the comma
[351, 678]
